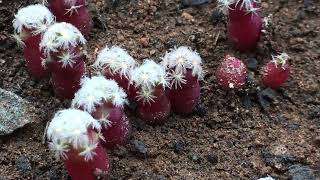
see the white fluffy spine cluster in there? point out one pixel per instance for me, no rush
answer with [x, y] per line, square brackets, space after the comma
[94, 91]
[33, 17]
[69, 129]
[281, 59]
[247, 5]
[116, 59]
[61, 36]
[149, 75]
[179, 60]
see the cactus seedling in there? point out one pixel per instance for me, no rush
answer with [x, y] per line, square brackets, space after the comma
[74, 137]
[244, 24]
[63, 45]
[29, 27]
[73, 12]
[277, 71]
[104, 100]
[152, 102]
[231, 73]
[117, 64]
[185, 71]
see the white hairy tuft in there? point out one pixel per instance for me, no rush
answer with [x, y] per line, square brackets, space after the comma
[180, 60]
[149, 75]
[61, 36]
[69, 129]
[116, 59]
[34, 17]
[267, 178]
[95, 91]
[247, 5]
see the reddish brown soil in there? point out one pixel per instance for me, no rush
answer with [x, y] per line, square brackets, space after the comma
[242, 143]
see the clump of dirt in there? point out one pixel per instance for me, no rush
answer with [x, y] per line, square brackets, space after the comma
[225, 140]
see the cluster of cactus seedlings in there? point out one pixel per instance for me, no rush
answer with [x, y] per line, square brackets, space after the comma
[97, 116]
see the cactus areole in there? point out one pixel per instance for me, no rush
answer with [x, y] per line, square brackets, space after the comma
[244, 24]
[185, 71]
[64, 46]
[28, 29]
[105, 100]
[74, 137]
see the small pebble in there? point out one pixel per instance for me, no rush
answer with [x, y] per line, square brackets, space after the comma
[187, 3]
[213, 159]
[178, 147]
[23, 165]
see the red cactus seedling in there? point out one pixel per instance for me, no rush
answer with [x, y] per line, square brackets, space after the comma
[185, 72]
[231, 73]
[29, 27]
[152, 102]
[63, 46]
[245, 23]
[74, 137]
[115, 63]
[73, 12]
[277, 71]
[104, 100]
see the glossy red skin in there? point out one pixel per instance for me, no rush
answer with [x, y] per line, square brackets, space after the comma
[231, 70]
[66, 81]
[275, 75]
[185, 98]
[33, 55]
[118, 132]
[80, 19]
[156, 112]
[79, 169]
[244, 28]
[123, 82]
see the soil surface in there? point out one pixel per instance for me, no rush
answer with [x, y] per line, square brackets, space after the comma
[223, 139]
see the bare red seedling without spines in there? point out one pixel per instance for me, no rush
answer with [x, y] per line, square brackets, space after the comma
[73, 12]
[115, 63]
[153, 104]
[64, 48]
[231, 73]
[105, 101]
[185, 71]
[277, 71]
[74, 136]
[244, 24]
[29, 27]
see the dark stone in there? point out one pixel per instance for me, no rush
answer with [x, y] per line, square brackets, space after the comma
[138, 147]
[315, 114]
[300, 172]
[216, 16]
[171, 43]
[178, 147]
[265, 97]
[280, 162]
[246, 101]
[187, 3]
[53, 175]
[200, 110]
[252, 64]
[213, 159]
[23, 165]
[293, 126]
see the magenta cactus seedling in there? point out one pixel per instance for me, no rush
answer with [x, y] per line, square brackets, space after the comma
[244, 24]
[231, 73]
[185, 71]
[29, 27]
[104, 100]
[115, 63]
[63, 45]
[73, 12]
[277, 71]
[152, 102]
[74, 137]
